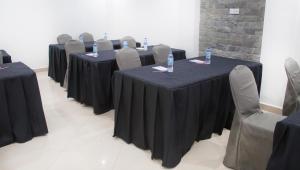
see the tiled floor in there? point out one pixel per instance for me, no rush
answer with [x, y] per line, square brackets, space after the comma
[80, 140]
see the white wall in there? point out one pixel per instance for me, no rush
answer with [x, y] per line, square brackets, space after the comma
[29, 26]
[281, 39]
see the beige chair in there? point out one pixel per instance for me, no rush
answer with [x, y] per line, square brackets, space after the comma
[104, 45]
[63, 38]
[72, 46]
[160, 53]
[1, 57]
[128, 58]
[86, 37]
[292, 95]
[131, 42]
[251, 137]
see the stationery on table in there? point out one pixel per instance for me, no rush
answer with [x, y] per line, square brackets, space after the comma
[92, 54]
[197, 61]
[160, 68]
[140, 48]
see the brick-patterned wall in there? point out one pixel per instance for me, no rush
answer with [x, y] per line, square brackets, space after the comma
[236, 36]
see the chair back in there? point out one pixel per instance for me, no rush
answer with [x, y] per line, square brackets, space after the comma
[1, 57]
[292, 96]
[103, 45]
[244, 91]
[160, 53]
[63, 38]
[128, 58]
[86, 37]
[130, 40]
[74, 46]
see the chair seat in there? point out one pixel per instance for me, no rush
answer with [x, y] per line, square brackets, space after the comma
[262, 123]
[256, 140]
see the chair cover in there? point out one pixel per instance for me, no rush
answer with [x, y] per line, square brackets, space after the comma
[292, 95]
[160, 53]
[86, 37]
[128, 58]
[103, 45]
[63, 38]
[251, 137]
[130, 40]
[72, 46]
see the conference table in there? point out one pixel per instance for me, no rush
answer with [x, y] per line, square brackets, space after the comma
[6, 57]
[58, 61]
[167, 112]
[286, 144]
[90, 78]
[21, 111]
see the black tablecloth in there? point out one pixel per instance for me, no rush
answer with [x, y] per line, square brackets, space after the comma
[90, 78]
[286, 144]
[167, 112]
[58, 61]
[21, 111]
[6, 57]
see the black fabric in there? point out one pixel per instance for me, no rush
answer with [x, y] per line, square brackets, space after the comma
[58, 61]
[167, 112]
[21, 111]
[90, 78]
[286, 144]
[6, 57]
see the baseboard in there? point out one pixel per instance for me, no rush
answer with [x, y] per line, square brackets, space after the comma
[270, 108]
[40, 70]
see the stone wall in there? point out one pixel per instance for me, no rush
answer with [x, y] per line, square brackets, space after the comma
[236, 36]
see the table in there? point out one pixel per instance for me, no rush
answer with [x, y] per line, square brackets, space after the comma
[21, 111]
[286, 144]
[6, 57]
[167, 112]
[90, 78]
[58, 61]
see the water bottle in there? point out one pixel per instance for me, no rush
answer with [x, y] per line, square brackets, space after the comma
[95, 48]
[125, 44]
[170, 62]
[208, 52]
[145, 44]
[105, 36]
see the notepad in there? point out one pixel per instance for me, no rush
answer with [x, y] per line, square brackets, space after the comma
[197, 61]
[160, 68]
[92, 54]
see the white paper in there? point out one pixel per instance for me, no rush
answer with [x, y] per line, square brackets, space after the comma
[197, 61]
[92, 54]
[142, 49]
[160, 68]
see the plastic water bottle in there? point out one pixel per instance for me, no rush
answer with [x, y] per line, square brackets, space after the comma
[105, 36]
[125, 44]
[170, 62]
[145, 44]
[208, 52]
[95, 48]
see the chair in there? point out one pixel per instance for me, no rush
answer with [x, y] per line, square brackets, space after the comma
[130, 40]
[63, 38]
[86, 37]
[251, 137]
[292, 95]
[103, 45]
[160, 53]
[72, 46]
[128, 58]
[1, 57]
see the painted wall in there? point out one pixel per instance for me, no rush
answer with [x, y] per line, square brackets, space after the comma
[281, 39]
[29, 26]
